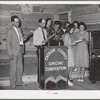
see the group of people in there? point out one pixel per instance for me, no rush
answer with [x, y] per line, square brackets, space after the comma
[76, 39]
[74, 36]
[49, 33]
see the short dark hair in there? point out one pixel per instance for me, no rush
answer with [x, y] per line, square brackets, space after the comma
[58, 23]
[13, 17]
[40, 20]
[82, 23]
[76, 23]
[67, 22]
[69, 27]
[48, 20]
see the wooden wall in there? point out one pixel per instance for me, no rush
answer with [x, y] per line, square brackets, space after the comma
[88, 14]
[29, 22]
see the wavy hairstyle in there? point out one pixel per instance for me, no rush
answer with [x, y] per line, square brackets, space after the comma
[82, 23]
[69, 28]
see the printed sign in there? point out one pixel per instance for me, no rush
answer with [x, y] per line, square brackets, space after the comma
[55, 66]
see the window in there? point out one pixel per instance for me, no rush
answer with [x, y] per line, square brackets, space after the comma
[63, 17]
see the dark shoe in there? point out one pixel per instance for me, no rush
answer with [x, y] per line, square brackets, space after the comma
[70, 83]
[71, 80]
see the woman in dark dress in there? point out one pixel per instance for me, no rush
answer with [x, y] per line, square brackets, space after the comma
[48, 28]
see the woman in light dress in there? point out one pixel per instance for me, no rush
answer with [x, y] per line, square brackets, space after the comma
[81, 53]
[68, 43]
[74, 35]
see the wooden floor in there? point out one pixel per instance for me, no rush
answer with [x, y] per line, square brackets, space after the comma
[31, 68]
[86, 85]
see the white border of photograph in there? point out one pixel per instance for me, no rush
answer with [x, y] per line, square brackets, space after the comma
[49, 94]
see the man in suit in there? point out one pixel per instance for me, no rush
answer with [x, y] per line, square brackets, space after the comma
[15, 47]
[39, 37]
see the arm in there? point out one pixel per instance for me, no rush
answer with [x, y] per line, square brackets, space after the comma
[84, 38]
[37, 38]
[66, 40]
[9, 37]
[79, 40]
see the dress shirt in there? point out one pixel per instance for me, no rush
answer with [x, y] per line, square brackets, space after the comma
[38, 36]
[19, 36]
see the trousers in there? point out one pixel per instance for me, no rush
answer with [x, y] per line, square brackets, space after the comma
[40, 55]
[16, 69]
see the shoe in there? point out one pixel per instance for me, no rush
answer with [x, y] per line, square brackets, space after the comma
[13, 87]
[82, 80]
[70, 83]
[22, 84]
[75, 69]
[79, 80]
[71, 80]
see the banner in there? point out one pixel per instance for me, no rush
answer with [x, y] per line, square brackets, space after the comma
[56, 67]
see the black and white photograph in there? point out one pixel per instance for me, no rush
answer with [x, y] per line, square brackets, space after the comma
[49, 46]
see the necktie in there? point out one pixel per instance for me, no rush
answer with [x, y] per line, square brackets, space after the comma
[43, 34]
[20, 37]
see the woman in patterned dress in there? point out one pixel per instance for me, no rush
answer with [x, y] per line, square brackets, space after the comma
[74, 37]
[81, 53]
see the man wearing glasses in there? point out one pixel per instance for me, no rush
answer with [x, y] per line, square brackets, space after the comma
[15, 47]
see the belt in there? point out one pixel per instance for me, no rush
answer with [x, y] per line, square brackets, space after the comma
[20, 45]
[39, 46]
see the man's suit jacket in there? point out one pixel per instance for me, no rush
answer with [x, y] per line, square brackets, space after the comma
[13, 42]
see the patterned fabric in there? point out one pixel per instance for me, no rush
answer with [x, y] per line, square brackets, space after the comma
[67, 41]
[81, 51]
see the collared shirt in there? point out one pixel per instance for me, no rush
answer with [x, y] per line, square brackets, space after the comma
[38, 36]
[19, 36]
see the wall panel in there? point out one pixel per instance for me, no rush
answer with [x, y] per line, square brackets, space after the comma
[86, 10]
[29, 22]
[87, 18]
